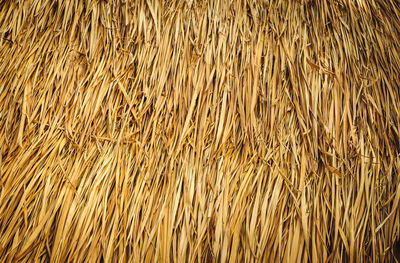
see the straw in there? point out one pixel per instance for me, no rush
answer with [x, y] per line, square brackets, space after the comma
[199, 131]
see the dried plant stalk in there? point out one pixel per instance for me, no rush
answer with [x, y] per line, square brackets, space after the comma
[193, 131]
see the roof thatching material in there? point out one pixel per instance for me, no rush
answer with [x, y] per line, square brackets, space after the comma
[199, 131]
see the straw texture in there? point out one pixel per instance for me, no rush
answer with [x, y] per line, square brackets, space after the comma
[199, 131]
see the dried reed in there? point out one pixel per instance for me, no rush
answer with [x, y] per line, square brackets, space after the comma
[194, 131]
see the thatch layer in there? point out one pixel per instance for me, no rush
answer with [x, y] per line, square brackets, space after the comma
[199, 130]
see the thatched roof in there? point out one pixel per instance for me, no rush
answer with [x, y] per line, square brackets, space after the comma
[197, 131]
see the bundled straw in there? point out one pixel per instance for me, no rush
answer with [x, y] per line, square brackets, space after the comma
[193, 131]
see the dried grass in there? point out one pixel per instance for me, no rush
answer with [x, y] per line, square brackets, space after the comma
[194, 131]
